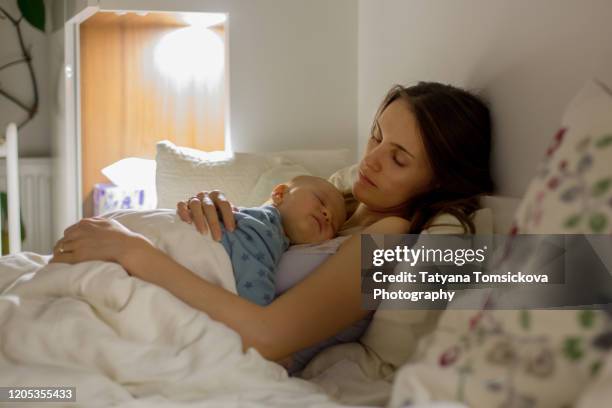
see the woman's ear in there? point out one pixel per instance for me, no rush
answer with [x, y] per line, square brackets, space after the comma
[278, 193]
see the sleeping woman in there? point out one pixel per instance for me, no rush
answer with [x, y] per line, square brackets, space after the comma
[426, 162]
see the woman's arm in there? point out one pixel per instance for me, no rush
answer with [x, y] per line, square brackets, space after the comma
[320, 306]
[324, 303]
[247, 318]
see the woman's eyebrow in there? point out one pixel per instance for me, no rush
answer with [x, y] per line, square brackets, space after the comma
[402, 148]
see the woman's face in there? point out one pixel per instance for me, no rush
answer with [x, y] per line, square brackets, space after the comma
[395, 166]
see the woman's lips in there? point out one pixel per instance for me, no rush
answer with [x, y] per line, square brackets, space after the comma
[364, 179]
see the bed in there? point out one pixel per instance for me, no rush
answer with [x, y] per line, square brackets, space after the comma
[123, 342]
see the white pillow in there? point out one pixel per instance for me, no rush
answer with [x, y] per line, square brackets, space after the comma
[571, 191]
[483, 221]
[322, 163]
[269, 179]
[503, 209]
[182, 172]
[344, 178]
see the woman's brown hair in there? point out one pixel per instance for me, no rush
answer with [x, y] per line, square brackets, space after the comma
[456, 130]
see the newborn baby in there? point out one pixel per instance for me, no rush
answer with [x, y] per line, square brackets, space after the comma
[305, 210]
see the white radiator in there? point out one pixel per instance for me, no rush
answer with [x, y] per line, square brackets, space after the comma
[36, 201]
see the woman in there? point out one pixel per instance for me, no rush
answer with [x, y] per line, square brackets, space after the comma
[428, 155]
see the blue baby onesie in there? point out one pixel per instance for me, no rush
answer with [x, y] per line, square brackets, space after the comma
[255, 248]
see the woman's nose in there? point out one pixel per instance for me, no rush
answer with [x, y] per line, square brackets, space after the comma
[372, 160]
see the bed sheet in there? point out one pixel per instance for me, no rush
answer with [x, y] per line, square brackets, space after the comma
[348, 384]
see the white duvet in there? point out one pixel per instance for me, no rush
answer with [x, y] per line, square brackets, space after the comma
[122, 341]
[198, 253]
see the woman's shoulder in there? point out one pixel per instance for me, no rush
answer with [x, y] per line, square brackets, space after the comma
[388, 225]
[444, 223]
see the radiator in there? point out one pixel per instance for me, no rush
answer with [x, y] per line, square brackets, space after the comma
[36, 201]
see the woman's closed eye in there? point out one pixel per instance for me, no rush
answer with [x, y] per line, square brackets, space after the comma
[399, 160]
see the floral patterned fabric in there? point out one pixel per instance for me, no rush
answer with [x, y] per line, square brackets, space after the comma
[531, 358]
[572, 190]
[518, 359]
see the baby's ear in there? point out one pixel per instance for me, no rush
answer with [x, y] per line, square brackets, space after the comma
[278, 193]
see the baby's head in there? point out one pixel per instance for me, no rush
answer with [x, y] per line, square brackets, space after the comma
[311, 208]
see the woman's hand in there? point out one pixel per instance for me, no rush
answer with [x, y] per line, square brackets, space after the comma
[203, 210]
[97, 239]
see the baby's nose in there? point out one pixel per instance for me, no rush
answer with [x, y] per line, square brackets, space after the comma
[326, 214]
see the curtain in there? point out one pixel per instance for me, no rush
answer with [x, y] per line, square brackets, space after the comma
[145, 79]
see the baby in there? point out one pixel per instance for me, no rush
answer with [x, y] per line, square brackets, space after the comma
[306, 210]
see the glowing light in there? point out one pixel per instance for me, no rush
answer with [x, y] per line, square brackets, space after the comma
[191, 54]
[204, 20]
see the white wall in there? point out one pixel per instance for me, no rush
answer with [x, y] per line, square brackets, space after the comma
[293, 72]
[527, 57]
[72, 7]
[293, 77]
[34, 137]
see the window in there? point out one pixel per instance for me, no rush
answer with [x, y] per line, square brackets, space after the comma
[147, 77]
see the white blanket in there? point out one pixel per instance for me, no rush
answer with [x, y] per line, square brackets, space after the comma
[122, 341]
[197, 252]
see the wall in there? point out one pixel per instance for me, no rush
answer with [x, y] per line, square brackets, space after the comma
[72, 7]
[528, 58]
[293, 76]
[293, 69]
[34, 137]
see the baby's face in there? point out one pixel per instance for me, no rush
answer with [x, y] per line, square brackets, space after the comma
[312, 210]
